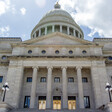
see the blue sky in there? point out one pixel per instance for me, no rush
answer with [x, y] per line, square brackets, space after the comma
[19, 17]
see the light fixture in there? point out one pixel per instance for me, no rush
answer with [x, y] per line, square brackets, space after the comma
[5, 88]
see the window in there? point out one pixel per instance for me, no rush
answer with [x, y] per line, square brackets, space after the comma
[49, 29]
[70, 52]
[64, 29]
[57, 52]
[42, 31]
[57, 79]
[27, 102]
[1, 79]
[57, 28]
[29, 79]
[76, 32]
[86, 102]
[43, 52]
[42, 102]
[84, 51]
[37, 33]
[71, 31]
[110, 57]
[30, 51]
[4, 57]
[70, 79]
[43, 79]
[84, 79]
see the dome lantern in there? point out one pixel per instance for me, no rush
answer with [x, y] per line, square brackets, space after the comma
[57, 6]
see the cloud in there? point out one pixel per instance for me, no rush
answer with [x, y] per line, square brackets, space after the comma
[4, 6]
[4, 31]
[41, 3]
[95, 14]
[23, 11]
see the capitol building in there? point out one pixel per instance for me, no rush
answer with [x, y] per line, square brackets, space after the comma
[57, 69]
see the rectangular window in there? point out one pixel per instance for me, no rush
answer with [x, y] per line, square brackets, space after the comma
[57, 28]
[84, 79]
[1, 79]
[27, 102]
[76, 32]
[70, 79]
[29, 79]
[86, 102]
[42, 102]
[57, 79]
[43, 79]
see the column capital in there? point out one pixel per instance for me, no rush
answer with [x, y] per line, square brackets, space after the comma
[35, 67]
[49, 67]
[78, 67]
[64, 67]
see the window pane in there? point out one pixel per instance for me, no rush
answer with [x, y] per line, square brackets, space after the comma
[57, 79]
[1, 79]
[70, 79]
[43, 79]
[84, 79]
[27, 102]
[29, 79]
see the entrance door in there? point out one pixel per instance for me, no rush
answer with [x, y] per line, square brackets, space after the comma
[71, 102]
[57, 102]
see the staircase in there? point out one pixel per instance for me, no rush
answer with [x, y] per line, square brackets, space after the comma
[35, 110]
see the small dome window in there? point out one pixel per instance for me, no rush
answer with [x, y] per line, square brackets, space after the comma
[70, 52]
[30, 52]
[43, 51]
[57, 52]
[84, 51]
[4, 57]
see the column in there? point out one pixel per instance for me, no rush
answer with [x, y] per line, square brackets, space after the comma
[53, 28]
[68, 30]
[33, 88]
[60, 28]
[74, 33]
[49, 88]
[39, 32]
[45, 30]
[64, 84]
[80, 87]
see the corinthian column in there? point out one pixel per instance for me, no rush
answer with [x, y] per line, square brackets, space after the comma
[80, 87]
[49, 87]
[64, 84]
[33, 88]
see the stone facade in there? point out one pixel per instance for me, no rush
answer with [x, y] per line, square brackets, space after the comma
[56, 55]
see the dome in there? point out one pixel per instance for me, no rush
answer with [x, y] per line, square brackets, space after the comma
[57, 20]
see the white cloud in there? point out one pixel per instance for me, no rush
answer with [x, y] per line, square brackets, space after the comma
[41, 3]
[4, 31]
[4, 6]
[95, 14]
[23, 11]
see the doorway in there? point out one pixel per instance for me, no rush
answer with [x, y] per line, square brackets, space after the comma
[71, 102]
[56, 102]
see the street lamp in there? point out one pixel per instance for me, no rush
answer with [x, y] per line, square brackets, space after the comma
[5, 88]
[109, 89]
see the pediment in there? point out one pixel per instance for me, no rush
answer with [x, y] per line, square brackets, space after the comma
[57, 39]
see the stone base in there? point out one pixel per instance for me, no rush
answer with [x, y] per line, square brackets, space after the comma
[108, 107]
[5, 107]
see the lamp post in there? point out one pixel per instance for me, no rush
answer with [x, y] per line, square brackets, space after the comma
[109, 89]
[5, 88]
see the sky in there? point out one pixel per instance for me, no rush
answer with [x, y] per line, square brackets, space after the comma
[19, 17]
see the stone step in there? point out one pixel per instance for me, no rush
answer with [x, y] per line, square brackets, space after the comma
[35, 110]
